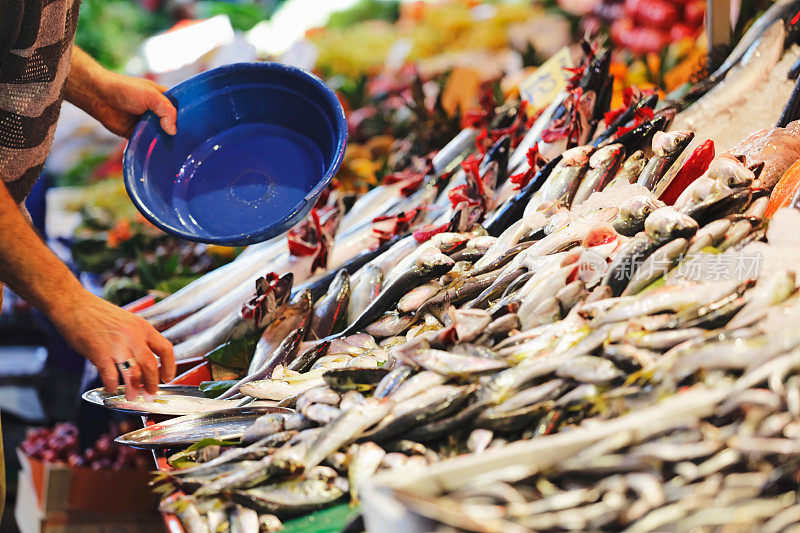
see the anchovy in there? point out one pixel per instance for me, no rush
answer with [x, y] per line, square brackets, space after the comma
[291, 497]
[434, 403]
[454, 365]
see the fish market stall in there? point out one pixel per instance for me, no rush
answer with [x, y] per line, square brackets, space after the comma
[565, 308]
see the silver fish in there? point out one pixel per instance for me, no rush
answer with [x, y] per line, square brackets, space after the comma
[631, 169]
[667, 147]
[330, 311]
[347, 428]
[603, 165]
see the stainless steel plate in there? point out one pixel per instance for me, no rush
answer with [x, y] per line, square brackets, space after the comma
[229, 424]
[99, 395]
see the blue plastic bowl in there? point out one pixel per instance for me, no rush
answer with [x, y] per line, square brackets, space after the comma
[257, 143]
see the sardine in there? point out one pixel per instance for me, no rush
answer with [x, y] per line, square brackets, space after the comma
[603, 165]
[667, 147]
[630, 170]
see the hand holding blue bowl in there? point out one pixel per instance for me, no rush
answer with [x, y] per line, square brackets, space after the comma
[256, 145]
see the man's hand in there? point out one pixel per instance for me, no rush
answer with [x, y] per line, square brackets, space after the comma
[123, 99]
[98, 330]
[116, 101]
[107, 336]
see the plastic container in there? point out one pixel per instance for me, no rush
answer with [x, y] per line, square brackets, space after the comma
[256, 145]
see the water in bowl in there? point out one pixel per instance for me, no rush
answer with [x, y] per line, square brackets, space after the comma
[264, 168]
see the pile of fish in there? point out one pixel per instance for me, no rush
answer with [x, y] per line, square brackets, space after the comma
[734, 470]
[576, 270]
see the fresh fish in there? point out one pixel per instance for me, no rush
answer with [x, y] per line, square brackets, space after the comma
[668, 298]
[667, 147]
[308, 356]
[244, 520]
[330, 311]
[283, 354]
[454, 365]
[630, 170]
[169, 404]
[771, 289]
[364, 462]
[263, 309]
[280, 389]
[709, 235]
[564, 180]
[656, 265]
[295, 316]
[430, 405]
[416, 297]
[427, 267]
[603, 165]
[416, 384]
[290, 498]
[390, 324]
[633, 212]
[347, 428]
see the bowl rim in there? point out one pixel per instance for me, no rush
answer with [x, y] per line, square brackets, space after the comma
[276, 228]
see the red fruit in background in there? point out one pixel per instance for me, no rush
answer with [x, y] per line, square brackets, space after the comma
[638, 40]
[90, 455]
[104, 446]
[590, 25]
[49, 456]
[75, 459]
[681, 31]
[656, 14]
[631, 7]
[619, 30]
[694, 13]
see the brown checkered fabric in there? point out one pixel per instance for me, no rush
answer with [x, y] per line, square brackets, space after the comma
[35, 48]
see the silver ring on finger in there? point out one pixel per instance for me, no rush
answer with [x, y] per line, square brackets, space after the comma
[125, 365]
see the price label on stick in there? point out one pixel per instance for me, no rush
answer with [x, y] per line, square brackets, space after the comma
[541, 87]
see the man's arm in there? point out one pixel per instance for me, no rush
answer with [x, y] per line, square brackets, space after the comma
[100, 331]
[115, 100]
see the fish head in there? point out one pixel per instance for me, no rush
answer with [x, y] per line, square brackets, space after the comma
[602, 239]
[448, 242]
[434, 263]
[557, 220]
[499, 152]
[606, 155]
[639, 207]
[302, 302]
[668, 223]
[671, 142]
[730, 171]
[577, 157]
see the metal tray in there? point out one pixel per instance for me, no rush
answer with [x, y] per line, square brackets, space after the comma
[98, 396]
[228, 424]
[166, 392]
